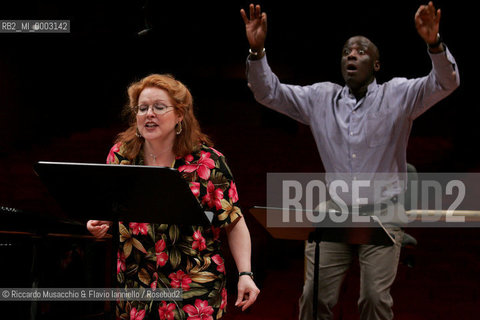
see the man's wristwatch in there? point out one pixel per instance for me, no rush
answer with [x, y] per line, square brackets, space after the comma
[246, 273]
[436, 44]
[256, 55]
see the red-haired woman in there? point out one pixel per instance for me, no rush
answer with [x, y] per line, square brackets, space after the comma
[164, 132]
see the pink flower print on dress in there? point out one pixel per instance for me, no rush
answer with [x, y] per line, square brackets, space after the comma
[138, 228]
[162, 256]
[199, 241]
[121, 266]
[220, 263]
[217, 152]
[224, 299]
[111, 154]
[202, 165]
[180, 280]
[195, 187]
[134, 315]
[165, 311]
[214, 197]
[201, 310]
[232, 192]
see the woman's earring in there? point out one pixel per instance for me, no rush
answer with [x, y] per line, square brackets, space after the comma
[178, 128]
[138, 134]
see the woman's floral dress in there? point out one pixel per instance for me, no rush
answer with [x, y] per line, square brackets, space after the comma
[173, 256]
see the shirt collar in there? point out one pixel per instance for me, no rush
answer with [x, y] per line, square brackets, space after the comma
[372, 87]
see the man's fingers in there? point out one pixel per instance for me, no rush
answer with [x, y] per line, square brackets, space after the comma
[429, 10]
[439, 14]
[244, 16]
[252, 11]
[427, 13]
[258, 13]
[255, 13]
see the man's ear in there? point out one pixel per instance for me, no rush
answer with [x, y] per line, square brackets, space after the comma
[376, 65]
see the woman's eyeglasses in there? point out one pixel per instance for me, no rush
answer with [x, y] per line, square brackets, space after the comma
[157, 108]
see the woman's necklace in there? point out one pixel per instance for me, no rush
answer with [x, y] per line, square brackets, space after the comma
[154, 157]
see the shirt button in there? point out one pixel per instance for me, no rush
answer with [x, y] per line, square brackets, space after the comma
[351, 133]
[354, 156]
[354, 111]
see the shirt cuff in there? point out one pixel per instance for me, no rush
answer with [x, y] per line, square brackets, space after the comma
[257, 69]
[443, 59]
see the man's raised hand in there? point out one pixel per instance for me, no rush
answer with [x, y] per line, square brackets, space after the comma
[255, 27]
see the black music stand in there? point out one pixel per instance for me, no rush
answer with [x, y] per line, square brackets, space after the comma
[88, 191]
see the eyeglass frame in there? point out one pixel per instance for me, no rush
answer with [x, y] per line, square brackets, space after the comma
[153, 107]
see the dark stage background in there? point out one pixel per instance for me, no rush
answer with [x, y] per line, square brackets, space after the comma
[61, 97]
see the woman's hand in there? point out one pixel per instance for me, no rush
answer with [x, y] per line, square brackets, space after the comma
[247, 292]
[98, 228]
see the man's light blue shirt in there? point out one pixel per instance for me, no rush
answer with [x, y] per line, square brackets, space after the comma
[359, 139]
